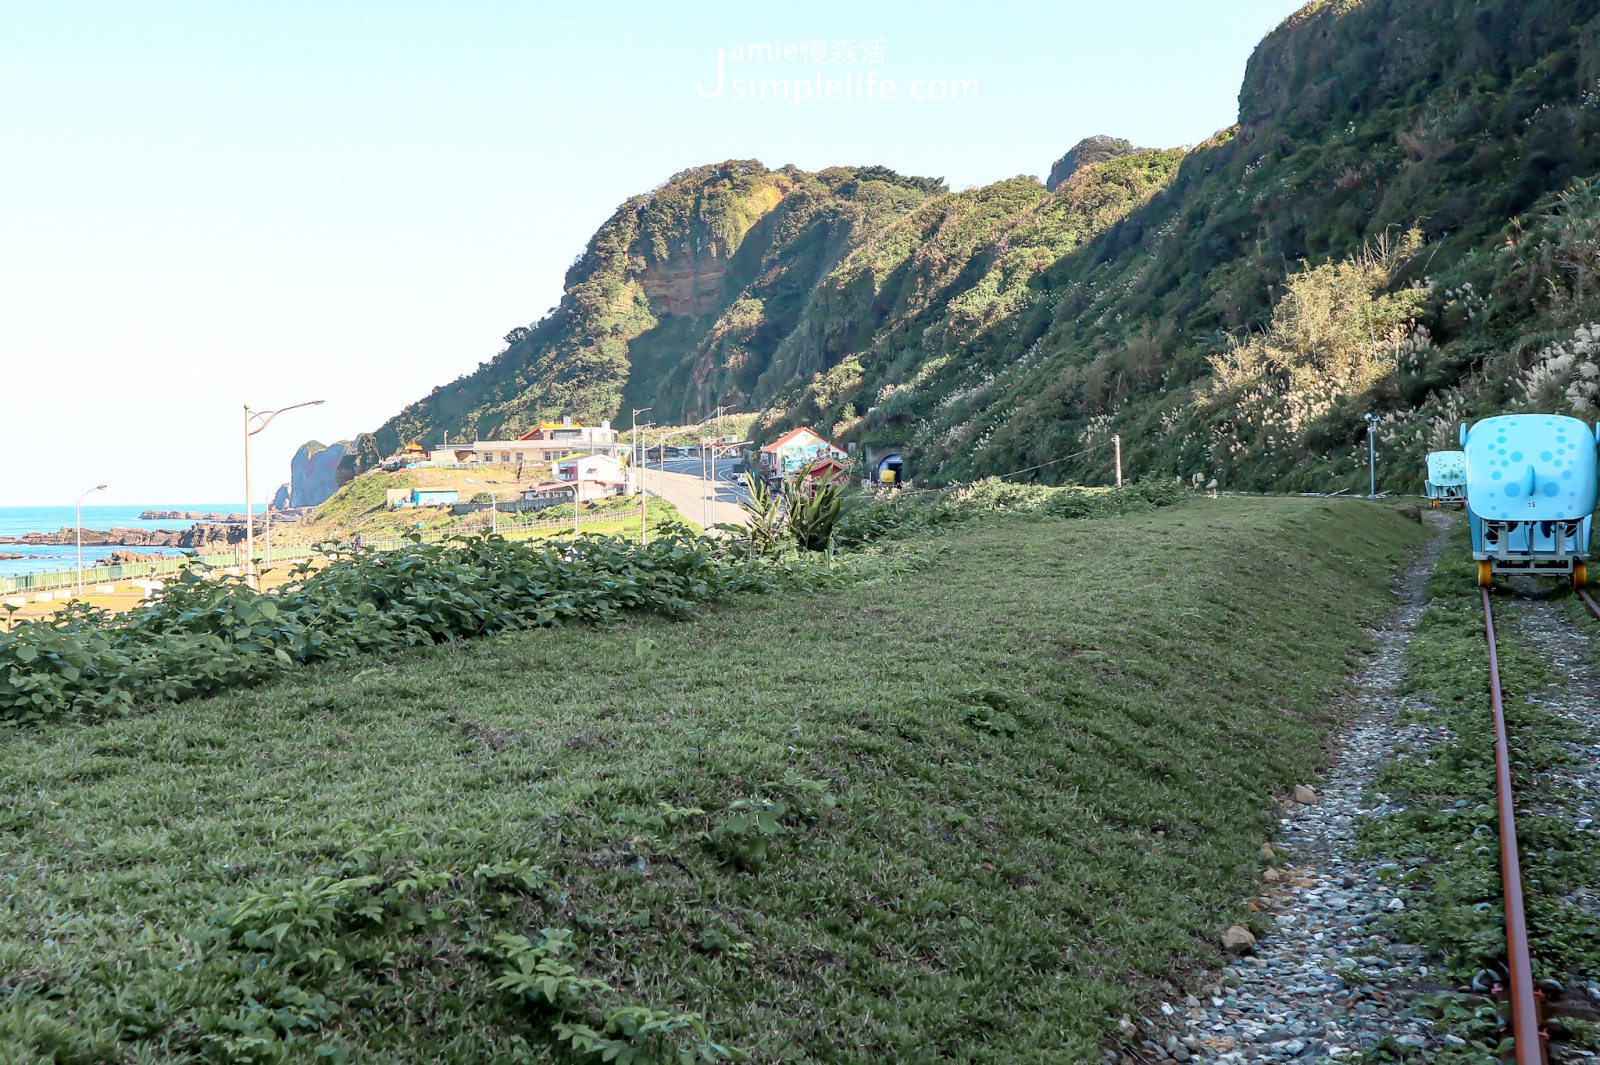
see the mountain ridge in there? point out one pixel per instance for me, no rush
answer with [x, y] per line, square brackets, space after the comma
[1021, 324]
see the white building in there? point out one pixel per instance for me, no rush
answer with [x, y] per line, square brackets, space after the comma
[589, 468]
[563, 491]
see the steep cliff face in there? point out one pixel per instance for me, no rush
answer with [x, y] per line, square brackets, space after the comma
[659, 309]
[314, 472]
[1410, 154]
[1087, 152]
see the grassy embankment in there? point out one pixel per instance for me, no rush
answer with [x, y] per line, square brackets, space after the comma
[975, 813]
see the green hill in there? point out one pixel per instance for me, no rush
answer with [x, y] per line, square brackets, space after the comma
[1403, 220]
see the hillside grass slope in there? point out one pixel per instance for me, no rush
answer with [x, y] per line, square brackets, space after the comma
[975, 812]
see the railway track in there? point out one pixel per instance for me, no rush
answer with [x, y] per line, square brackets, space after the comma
[1529, 1043]
[1529, 1048]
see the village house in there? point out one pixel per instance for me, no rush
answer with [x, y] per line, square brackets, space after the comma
[545, 443]
[421, 497]
[562, 491]
[590, 468]
[797, 449]
[826, 470]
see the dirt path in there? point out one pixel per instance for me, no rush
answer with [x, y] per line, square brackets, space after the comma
[1330, 984]
[1299, 996]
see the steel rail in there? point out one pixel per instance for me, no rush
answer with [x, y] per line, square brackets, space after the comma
[1588, 601]
[1529, 1046]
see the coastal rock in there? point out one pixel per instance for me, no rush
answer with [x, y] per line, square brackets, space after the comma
[187, 515]
[124, 558]
[314, 472]
[200, 536]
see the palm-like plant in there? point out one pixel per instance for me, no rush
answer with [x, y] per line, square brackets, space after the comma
[805, 511]
[813, 511]
[766, 519]
[812, 506]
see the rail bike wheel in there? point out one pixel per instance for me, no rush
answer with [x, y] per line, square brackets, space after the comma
[1485, 574]
[1580, 574]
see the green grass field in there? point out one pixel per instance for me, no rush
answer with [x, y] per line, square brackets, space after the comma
[971, 814]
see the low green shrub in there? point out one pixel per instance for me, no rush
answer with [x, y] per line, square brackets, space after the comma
[867, 519]
[207, 635]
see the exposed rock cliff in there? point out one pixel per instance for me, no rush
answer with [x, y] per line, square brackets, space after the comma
[1087, 152]
[314, 472]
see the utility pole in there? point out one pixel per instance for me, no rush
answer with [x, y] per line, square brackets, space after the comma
[96, 488]
[494, 506]
[251, 428]
[1372, 455]
[1117, 443]
[707, 486]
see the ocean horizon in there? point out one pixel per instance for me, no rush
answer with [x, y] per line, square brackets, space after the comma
[19, 521]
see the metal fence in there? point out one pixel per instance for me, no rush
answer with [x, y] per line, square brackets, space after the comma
[511, 527]
[163, 567]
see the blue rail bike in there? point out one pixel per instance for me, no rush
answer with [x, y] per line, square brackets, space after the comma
[1532, 487]
[1447, 477]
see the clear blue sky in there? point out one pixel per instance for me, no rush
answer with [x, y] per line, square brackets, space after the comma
[210, 203]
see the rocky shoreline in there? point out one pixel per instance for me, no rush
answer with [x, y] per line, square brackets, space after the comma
[199, 536]
[191, 515]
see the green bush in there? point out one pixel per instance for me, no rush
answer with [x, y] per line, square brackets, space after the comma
[204, 635]
[866, 519]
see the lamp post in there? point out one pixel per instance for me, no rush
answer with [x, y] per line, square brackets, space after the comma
[254, 422]
[639, 471]
[494, 506]
[577, 492]
[634, 423]
[1372, 455]
[96, 488]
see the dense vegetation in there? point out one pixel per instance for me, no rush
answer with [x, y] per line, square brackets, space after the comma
[205, 635]
[977, 811]
[1434, 159]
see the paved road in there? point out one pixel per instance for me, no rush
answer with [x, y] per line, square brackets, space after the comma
[705, 502]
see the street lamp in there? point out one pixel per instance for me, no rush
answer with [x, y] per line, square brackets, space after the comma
[634, 423]
[494, 506]
[1372, 455]
[254, 422]
[96, 488]
[639, 470]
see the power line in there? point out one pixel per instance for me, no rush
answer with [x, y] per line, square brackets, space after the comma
[1052, 462]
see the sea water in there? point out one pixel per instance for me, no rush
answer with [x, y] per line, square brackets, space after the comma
[18, 521]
